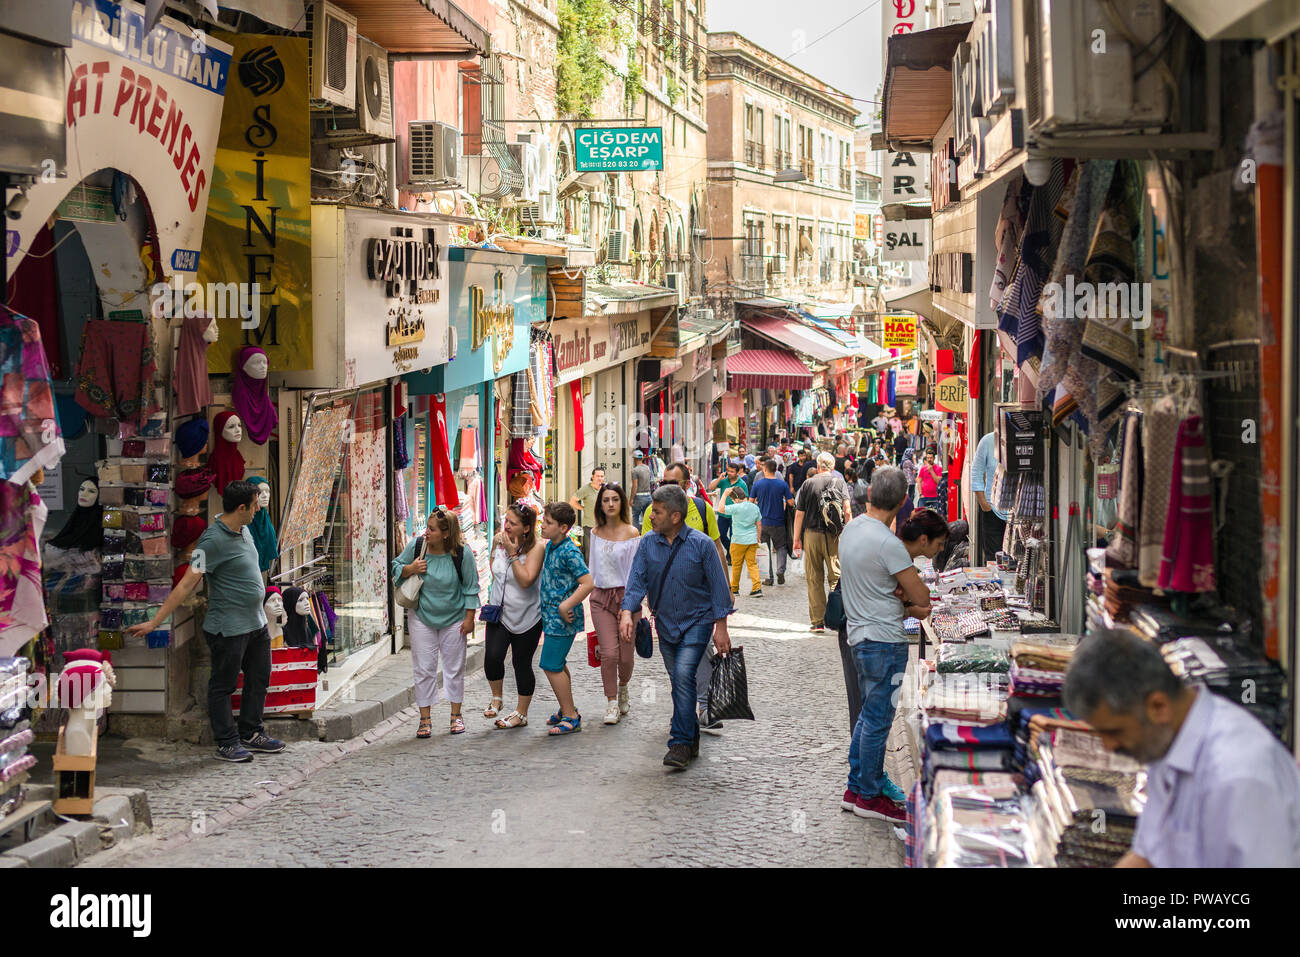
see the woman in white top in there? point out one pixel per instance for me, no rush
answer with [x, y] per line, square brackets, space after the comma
[614, 542]
[517, 554]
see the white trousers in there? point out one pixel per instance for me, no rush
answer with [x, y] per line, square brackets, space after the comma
[427, 646]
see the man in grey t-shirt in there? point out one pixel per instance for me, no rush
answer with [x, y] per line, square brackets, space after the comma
[640, 491]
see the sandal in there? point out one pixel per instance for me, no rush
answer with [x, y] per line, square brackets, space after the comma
[494, 709]
[457, 724]
[567, 726]
[425, 730]
[519, 720]
[556, 718]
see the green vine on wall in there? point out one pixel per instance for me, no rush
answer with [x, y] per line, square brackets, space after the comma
[634, 85]
[673, 91]
[586, 28]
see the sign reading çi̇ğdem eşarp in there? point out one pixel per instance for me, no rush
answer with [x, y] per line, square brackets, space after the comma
[626, 150]
[147, 104]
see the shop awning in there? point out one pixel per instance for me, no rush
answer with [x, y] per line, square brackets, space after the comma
[767, 369]
[419, 26]
[611, 299]
[792, 335]
[918, 85]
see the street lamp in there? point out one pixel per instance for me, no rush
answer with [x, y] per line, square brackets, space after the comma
[791, 175]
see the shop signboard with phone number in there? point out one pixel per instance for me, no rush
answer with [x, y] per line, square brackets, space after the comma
[627, 150]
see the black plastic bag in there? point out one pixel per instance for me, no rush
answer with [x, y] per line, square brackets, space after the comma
[729, 688]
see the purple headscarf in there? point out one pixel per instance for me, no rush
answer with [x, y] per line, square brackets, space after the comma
[252, 400]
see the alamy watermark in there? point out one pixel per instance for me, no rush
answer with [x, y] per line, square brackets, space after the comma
[1106, 300]
[220, 300]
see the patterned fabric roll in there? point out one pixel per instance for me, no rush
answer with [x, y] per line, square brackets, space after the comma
[1159, 434]
[1124, 549]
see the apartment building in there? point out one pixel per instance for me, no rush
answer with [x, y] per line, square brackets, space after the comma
[770, 122]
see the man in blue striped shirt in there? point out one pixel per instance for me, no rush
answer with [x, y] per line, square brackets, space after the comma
[698, 603]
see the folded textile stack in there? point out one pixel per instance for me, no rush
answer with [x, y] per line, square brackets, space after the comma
[1019, 713]
[1121, 593]
[967, 699]
[1160, 624]
[1038, 669]
[982, 826]
[968, 748]
[971, 659]
[1091, 810]
[15, 733]
[1225, 667]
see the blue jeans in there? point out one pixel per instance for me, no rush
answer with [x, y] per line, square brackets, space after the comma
[682, 661]
[880, 666]
[640, 502]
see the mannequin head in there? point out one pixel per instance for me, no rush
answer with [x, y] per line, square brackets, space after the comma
[233, 430]
[263, 495]
[274, 606]
[303, 606]
[210, 332]
[256, 366]
[87, 494]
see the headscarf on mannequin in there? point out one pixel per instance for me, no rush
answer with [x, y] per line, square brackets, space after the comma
[193, 393]
[252, 399]
[300, 632]
[263, 532]
[84, 531]
[226, 461]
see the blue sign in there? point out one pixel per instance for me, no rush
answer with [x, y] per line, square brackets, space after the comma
[120, 29]
[185, 260]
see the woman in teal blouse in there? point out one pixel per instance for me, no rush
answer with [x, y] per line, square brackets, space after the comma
[444, 618]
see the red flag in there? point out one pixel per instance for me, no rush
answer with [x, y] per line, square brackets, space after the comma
[973, 369]
[444, 477]
[579, 437]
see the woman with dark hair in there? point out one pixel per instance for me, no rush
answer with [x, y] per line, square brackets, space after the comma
[613, 547]
[924, 533]
[517, 555]
[956, 550]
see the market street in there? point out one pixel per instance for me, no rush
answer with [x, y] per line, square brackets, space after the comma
[761, 793]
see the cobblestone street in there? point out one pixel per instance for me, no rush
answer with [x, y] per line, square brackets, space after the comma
[762, 793]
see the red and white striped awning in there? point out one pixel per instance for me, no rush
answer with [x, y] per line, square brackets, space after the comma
[767, 369]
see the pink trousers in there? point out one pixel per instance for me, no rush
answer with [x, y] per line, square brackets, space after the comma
[616, 657]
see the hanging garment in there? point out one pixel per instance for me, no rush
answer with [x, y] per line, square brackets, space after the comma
[873, 395]
[193, 392]
[34, 292]
[1123, 550]
[1159, 437]
[893, 385]
[523, 418]
[401, 457]
[263, 532]
[30, 438]
[22, 599]
[973, 367]
[1187, 559]
[252, 399]
[300, 631]
[73, 419]
[226, 461]
[444, 476]
[84, 529]
[579, 433]
[521, 459]
[1018, 314]
[115, 376]
[1011, 222]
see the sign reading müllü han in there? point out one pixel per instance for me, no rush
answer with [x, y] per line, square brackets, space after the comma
[619, 150]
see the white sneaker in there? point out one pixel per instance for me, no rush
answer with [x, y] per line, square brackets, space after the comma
[624, 702]
[611, 711]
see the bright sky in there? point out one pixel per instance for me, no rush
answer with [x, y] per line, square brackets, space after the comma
[849, 59]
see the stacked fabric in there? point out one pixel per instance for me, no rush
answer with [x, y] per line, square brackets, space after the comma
[1038, 670]
[1091, 798]
[1121, 593]
[983, 826]
[1019, 713]
[967, 699]
[971, 659]
[15, 733]
[967, 748]
[1161, 624]
[1226, 669]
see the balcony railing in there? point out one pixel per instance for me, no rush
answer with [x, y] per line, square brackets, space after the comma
[781, 160]
[808, 168]
[753, 269]
[754, 153]
[846, 178]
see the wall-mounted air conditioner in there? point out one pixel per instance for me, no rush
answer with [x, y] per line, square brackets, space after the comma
[433, 156]
[374, 103]
[546, 199]
[526, 156]
[483, 177]
[1074, 84]
[333, 64]
[677, 282]
[617, 248]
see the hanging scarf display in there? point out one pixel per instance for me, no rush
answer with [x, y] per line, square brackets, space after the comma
[84, 530]
[444, 476]
[1159, 436]
[893, 384]
[973, 367]
[22, 599]
[252, 398]
[401, 457]
[1018, 311]
[116, 372]
[300, 631]
[226, 461]
[1124, 549]
[1187, 559]
[190, 380]
[263, 532]
[1006, 240]
[27, 443]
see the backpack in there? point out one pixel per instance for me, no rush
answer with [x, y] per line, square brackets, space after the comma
[832, 508]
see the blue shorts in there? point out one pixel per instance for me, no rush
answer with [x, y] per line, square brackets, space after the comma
[555, 649]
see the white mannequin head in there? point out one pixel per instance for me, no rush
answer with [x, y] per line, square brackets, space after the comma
[263, 495]
[257, 366]
[233, 430]
[303, 607]
[211, 333]
[274, 606]
[88, 493]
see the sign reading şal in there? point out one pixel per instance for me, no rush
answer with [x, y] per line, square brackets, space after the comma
[900, 332]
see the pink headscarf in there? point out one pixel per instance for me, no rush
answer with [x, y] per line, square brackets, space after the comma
[226, 461]
[193, 393]
[252, 399]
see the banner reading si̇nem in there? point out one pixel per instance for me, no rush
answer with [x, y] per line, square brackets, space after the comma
[619, 150]
[900, 332]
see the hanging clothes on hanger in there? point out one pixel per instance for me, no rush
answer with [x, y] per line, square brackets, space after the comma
[22, 598]
[1187, 558]
[30, 437]
[115, 376]
[190, 379]
[444, 476]
[1159, 438]
[1124, 549]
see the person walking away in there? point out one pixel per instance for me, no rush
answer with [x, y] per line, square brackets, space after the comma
[930, 477]
[517, 555]
[992, 522]
[678, 569]
[797, 472]
[878, 568]
[1221, 790]
[772, 496]
[234, 626]
[584, 503]
[821, 512]
[441, 623]
[842, 459]
[908, 464]
[566, 581]
[613, 546]
[745, 516]
[860, 490]
[640, 490]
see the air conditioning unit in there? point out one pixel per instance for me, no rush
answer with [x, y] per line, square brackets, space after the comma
[433, 155]
[704, 315]
[598, 198]
[533, 214]
[525, 155]
[617, 248]
[374, 104]
[1070, 86]
[333, 65]
[483, 177]
[547, 201]
[677, 281]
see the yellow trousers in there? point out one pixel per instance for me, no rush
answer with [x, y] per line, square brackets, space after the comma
[745, 555]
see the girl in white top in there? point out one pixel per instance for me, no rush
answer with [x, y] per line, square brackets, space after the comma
[614, 541]
[517, 554]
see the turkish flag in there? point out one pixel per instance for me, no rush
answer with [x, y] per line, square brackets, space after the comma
[579, 437]
[973, 369]
[444, 477]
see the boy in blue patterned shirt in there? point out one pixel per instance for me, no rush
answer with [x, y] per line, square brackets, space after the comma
[566, 581]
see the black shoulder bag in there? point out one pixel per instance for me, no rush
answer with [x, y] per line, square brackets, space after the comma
[644, 635]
